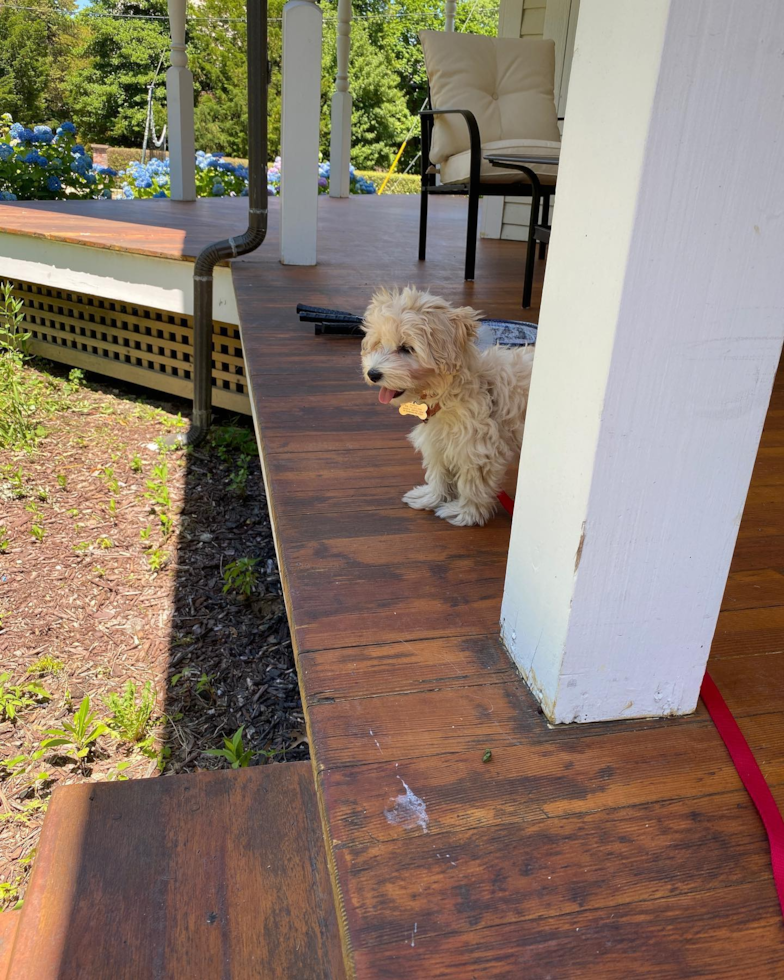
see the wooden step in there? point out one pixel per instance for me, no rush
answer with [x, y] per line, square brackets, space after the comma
[211, 875]
[8, 923]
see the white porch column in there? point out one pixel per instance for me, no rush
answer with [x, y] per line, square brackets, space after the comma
[450, 10]
[340, 135]
[299, 132]
[661, 328]
[179, 99]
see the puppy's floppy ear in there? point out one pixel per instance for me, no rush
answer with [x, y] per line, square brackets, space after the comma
[448, 331]
[465, 321]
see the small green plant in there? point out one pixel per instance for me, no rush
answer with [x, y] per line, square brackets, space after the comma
[75, 381]
[73, 512]
[104, 542]
[62, 481]
[42, 493]
[47, 664]
[144, 534]
[100, 571]
[156, 559]
[82, 546]
[9, 893]
[240, 576]
[234, 751]
[5, 541]
[131, 714]
[16, 697]
[16, 478]
[136, 464]
[231, 439]
[79, 735]
[119, 770]
[107, 474]
[238, 479]
[167, 524]
[204, 685]
[113, 507]
[38, 531]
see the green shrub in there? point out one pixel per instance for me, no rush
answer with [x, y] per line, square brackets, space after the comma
[398, 183]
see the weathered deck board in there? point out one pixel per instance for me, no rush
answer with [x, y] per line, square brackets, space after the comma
[615, 850]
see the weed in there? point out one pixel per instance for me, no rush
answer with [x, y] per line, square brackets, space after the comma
[144, 534]
[82, 546]
[16, 479]
[234, 751]
[46, 665]
[113, 507]
[136, 464]
[167, 524]
[16, 697]
[238, 479]
[5, 541]
[42, 493]
[9, 893]
[156, 559]
[204, 685]
[130, 719]
[73, 512]
[38, 531]
[75, 381]
[240, 576]
[104, 542]
[107, 474]
[62, 481]
[18, 428]
[231, 439]
[78, 734]
[119, 769]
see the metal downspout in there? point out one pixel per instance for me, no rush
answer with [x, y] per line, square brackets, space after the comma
[230, 248]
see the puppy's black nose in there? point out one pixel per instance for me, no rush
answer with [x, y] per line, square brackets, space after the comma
[375, 375]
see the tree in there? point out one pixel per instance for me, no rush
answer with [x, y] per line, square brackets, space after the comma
[121, 55]
[36, 48]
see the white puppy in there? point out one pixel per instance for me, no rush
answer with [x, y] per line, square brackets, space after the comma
[419, 348]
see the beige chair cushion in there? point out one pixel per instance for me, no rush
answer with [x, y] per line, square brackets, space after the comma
[456, 169]
[506, 82]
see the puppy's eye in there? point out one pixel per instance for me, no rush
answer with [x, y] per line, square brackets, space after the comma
[405, 349]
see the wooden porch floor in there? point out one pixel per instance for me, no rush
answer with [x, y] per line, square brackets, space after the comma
[627, 849]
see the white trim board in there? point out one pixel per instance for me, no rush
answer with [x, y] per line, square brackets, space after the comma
[165, 284]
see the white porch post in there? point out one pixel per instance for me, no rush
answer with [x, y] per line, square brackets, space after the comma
[340, 135]
[179, 99]
[661, 328]
[299, 132]
[450, 10]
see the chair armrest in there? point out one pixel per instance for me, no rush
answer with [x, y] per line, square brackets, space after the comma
[474, 139]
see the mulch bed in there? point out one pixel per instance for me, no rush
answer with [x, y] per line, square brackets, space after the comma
[84, 591]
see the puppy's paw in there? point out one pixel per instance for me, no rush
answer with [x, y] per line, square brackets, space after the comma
[463, 514]
[423, 498]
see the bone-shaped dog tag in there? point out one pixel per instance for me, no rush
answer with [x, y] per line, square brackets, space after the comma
[414, 408]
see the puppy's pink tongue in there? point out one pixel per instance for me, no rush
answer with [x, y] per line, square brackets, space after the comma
[385, 395]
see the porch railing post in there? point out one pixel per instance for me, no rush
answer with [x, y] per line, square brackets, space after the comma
[299, 132]
[179, 97]
[450, 10]
[340, 137]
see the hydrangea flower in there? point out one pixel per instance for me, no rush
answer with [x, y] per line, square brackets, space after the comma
[66, 127]
[106, 171]
[143, 183]
[218, 189]
[6, 151]
[7, 196]
[42, 134]
[127, 192]
[53, 183]
[78, 150]
[160, 193]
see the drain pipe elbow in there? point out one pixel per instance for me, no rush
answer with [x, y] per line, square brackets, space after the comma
[231, 248]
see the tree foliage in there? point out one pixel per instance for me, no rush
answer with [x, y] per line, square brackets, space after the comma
[95, 67]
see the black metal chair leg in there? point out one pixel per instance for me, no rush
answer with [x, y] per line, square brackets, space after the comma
[471, 231]
[423, 223]
[530, 252]
[545, 222]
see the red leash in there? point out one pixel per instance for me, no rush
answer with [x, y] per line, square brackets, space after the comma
[743, 759]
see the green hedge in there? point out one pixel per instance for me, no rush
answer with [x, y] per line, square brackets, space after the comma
[398, 183]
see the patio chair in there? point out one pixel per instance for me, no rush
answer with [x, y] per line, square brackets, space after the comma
[486, 95]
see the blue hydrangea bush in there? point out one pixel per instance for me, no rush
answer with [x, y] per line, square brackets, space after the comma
[358, 184]
[215, 177]
[42, 164]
